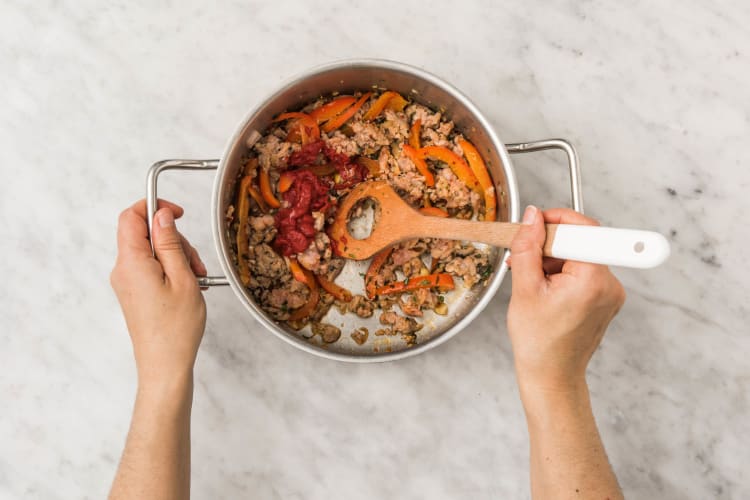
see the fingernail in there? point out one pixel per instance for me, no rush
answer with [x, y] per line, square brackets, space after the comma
[529, 216]
[166, 218]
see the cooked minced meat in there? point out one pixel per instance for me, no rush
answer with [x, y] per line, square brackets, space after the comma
[361, 306]
[262, 229]
[360, 335]
[328, 333]
[400, 324]
[298, 173]
[273, 153]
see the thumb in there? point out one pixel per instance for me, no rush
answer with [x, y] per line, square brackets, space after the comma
[168, 246]
[526, 250]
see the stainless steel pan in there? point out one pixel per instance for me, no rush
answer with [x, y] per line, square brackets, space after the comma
[343, 77]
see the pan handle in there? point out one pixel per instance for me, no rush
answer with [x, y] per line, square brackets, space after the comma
[151, 182]
[576, 195]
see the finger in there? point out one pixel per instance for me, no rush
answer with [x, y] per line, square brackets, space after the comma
[132, 231]
[140, 207]
[168, 247]
[193, 257]
[568, 216]
[526, 248]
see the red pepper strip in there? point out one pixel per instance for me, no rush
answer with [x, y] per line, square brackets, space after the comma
[421, 165]
[377, 262]
[372, 166]
[483, 177]
[441, 281]
[335, 123]
[455, 162]
[332, 109]
[340, 293]
[379, 105]
[433, 212]
[414, 133]
[243, 208]
[306, 277]
[258, 198]
[309, 130]
[265, 189]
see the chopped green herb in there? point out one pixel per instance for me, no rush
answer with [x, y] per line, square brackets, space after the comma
[406, 281]
[441, 299]
[425, 282]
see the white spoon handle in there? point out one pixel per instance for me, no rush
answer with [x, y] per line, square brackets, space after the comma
[610, 246]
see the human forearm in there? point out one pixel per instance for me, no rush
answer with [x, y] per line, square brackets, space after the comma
[567, 455]
[156, 460]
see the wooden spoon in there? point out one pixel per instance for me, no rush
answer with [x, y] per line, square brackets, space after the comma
[396, 221]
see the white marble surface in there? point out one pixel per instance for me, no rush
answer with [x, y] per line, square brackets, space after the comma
[655, 96]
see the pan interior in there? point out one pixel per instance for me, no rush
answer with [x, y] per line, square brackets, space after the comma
[420, 87]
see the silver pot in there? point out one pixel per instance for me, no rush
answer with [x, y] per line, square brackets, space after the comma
[343, 77]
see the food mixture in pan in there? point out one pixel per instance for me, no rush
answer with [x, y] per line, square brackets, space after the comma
[290, 186]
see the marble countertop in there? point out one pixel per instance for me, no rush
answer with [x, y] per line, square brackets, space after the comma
[655, 97]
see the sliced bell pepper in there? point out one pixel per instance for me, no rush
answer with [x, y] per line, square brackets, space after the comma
[332, 109]
[243, 210]
[421, 165]
[308, 130]
[304, 276]
[483, 177]
[397, 103]
[265, 189]
[335, 123]
[441, 281]
[457, 164]
[433, 212]
[414, 133]
[372, 166]
[258, 198]
[389, 99]
[378, 261]
[298, 272]
[337, 291]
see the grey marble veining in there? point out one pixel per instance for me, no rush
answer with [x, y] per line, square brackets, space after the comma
[654, 95]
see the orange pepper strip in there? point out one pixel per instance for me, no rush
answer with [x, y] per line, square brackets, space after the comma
[265, 189]
[421, 165]
[298, 272]
[377, 262]
[335, 123]
[340, 293]
[483, 177]
[441, 281]
[414, 133]
[332, 109]
[258, 198]
[286, 180]
[433, 212]
[379, 105]
[306, 277]
[455, 162]
[397, 103]
[309, 130]
[372, 166]
[243, 208]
